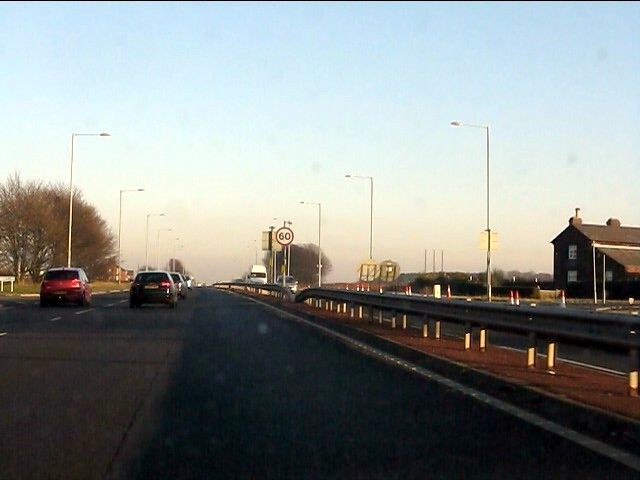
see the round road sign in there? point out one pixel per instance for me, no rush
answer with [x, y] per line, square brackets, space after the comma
[284, 236]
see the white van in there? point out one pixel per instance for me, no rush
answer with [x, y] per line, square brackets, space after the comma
[257, 274]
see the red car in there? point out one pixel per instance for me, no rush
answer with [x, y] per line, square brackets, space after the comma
[65, 285]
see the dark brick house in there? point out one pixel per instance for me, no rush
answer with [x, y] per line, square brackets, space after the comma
[582, 252]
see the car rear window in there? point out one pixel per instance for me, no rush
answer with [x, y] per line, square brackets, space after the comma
[151, 277]
[176, 277]
[61, 275]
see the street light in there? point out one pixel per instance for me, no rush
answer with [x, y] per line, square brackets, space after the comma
[371, 213]
[173, 267]
[73, 136]
[146, 242]
[118, 268]
[458, 123]
[319, 238]
[158, 246]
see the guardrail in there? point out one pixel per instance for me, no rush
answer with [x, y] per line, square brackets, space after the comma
[270, 289]
[613, 332]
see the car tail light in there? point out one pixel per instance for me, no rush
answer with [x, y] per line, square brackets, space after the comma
[165, 284]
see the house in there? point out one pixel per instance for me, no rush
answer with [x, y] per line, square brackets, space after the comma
[591, 259]
[114, 271]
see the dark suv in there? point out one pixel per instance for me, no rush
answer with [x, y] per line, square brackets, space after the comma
[153, 287]
[65, 285]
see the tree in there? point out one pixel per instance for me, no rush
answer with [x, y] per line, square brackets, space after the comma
[24, 213]
[304, 263]
[34, 223]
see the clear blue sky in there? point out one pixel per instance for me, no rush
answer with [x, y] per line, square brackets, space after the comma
[230, 114]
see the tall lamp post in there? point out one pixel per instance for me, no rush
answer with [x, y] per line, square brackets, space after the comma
[146, 242]
[458, 123]
[73, 136]
[371, 213]
[319, 238]
[173, 266]
[158, 246]
[118, 267]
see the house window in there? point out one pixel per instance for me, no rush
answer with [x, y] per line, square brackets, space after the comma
[608, 276]
[573, 252]
[572, 276]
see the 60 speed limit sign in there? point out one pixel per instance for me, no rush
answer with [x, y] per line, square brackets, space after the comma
[284, 236]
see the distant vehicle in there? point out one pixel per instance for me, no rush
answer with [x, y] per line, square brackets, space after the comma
[189, 280]
[153, 287]
[257, 274]
[290, 282]
[65, 285]
[181, 284]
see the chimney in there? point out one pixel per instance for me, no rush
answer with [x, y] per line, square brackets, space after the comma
[613, 222]
[576, 220]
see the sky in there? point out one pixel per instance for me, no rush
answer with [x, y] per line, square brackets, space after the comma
[229, 114]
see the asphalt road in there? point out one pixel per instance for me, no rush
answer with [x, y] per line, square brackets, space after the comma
[225, 388]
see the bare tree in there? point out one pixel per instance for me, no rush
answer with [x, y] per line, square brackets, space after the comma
[34, 225]
[304, 263]
[24, 243]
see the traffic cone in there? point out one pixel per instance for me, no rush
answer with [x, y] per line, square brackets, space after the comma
[448, 291]
[517, 298]
[563, 302]
[511, 297]
[410, 290]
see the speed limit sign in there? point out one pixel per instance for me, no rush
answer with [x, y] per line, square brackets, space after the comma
[284, 236]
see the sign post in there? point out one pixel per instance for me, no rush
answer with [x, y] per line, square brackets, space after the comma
[284, 237]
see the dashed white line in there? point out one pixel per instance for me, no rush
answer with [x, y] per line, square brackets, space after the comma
[54, 319]
[80, 312]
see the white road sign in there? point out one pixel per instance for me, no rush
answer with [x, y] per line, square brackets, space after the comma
[284, 236]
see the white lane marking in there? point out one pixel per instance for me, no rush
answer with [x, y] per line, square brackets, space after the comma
[55, 319]
[116, 303]
[596, 446]
[2, 334]
[80, 312]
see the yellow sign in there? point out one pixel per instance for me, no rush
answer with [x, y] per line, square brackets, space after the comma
[484, 243]
[368, 270]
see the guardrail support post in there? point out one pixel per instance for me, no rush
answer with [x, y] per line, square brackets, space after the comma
[552, 353]
[425, 326]
[393, 319]
[633, 372]
[483, 339]
[467, 336]
[531, 351]
[437, 329]
[404, 321]
[380, 316]
[360, 312]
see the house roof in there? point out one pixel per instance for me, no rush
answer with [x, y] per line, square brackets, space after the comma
[630, 259]
[611, 233]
